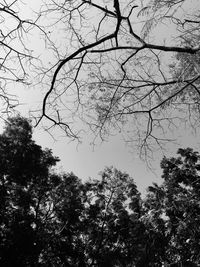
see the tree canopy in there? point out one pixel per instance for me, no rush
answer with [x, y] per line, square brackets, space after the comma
[55, 219]
[174, 206]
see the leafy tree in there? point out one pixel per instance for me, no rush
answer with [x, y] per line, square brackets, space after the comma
[97, 222]
[67, 244]
[173, 207]
[48, 219]
[25, 182]
[113, 219]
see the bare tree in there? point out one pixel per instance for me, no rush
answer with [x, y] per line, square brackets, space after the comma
[16, 53]
[117, 68]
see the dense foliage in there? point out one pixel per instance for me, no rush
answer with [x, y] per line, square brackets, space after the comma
[49, 219]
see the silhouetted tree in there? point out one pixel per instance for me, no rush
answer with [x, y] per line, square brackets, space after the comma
[173, 208]
[50, 219]
[25, 182]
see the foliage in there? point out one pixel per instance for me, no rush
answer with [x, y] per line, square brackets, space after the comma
[174, 207]
[25, 181]
[55, 220]
[50, 219]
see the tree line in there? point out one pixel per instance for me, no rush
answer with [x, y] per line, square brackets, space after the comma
[55, 219]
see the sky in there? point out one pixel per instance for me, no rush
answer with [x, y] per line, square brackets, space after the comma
[86, 161]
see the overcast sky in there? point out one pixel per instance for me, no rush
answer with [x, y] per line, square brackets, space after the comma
[87, 161]
[84, 159]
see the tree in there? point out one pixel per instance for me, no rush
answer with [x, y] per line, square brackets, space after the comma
[113, 69]
[17, 56]
[174, 208]
[67, 227]
[25, 182]
[97, 222]
[113, 220]
[49, 219]
[110, 69]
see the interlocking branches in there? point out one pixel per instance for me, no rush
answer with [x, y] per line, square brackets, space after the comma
[15, 51]
[112, 76]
